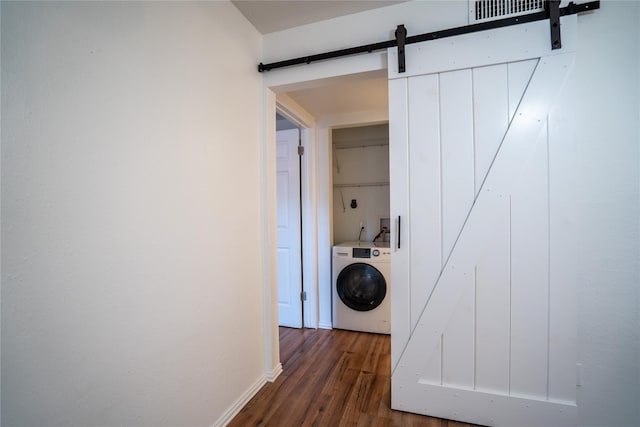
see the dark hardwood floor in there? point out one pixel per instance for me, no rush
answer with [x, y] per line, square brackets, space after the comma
[331, 378]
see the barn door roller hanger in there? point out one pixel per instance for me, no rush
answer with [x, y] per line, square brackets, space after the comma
[552, 11]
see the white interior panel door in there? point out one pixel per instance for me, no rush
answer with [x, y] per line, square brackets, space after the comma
[289, 241]
[476, 301]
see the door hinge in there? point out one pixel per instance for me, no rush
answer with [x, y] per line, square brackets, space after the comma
[303, 296]
[300, 150]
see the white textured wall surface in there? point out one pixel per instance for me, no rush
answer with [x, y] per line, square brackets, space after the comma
[131, 263]
[608, 198]
[362, 154]
[372, 26]
[377, 25]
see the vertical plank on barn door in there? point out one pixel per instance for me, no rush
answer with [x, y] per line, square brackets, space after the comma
[562, 147]
[492, 290]
[530, 274]
[399, 197]
[490, 116]
[492, 331]
[456, 121]
[458, 339]
[457, 193]
[424, 193]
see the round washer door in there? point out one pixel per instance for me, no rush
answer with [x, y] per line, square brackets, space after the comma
[361, 286]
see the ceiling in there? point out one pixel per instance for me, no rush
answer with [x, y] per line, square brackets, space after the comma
[358, 95]
[268, 16]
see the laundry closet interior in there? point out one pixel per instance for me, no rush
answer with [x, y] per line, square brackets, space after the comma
[360, 173]
[354, 163]
[361, 261]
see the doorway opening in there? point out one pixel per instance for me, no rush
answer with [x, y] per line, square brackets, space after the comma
[294, 221]
[319, 109]
[289, 151]
[340, 109]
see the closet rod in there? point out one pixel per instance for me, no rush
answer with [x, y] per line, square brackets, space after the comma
[570, 9]
[349, 147]
[367, 184]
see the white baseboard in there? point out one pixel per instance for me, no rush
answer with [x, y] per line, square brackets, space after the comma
[243, 400]
[274, 374]
[323, 325]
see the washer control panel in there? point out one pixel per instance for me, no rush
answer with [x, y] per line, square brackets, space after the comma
[362, 250]
[362, 253]
[367, 253]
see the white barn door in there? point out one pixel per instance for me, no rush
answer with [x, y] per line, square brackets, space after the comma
[483, 320]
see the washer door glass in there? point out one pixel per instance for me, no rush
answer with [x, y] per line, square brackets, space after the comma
[361, 286]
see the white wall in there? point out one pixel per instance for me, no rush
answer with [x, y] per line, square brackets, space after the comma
[131, 273]
[376, 25]
[362, 154]
[607, 196]
[606, 177]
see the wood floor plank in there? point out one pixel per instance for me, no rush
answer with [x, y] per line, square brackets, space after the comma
[331, 378]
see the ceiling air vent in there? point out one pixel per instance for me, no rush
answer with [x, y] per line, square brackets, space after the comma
[487, 10]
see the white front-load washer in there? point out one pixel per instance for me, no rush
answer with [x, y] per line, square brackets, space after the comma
[361, 287]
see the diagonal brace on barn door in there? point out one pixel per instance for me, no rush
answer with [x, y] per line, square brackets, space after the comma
[552, 12]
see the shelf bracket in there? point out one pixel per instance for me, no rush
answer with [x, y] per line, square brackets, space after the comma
[401, 36]
[553, 10]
